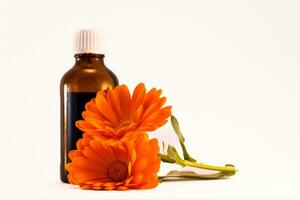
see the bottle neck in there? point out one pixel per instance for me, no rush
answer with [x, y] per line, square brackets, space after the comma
[89, 59]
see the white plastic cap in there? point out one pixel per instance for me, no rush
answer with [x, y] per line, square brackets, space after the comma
[87, 41]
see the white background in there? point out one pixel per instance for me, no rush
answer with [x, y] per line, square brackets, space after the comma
[230, 69]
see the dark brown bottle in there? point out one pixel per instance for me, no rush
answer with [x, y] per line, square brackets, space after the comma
[79, 85]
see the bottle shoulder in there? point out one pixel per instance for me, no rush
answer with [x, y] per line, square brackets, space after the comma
[88, 79]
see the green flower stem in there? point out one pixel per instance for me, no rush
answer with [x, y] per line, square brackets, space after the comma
[228, 169]
[172, 156]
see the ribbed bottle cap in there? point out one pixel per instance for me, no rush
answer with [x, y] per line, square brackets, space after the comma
[87, 41]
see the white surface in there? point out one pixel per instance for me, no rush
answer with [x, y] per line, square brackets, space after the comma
[229, 68]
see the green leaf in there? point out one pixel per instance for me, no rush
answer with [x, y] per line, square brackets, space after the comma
[186, 155]
[176, 128]
[187, 175]
[178, 132]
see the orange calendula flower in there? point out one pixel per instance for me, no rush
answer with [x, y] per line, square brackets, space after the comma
[98, 165]
[112, 115]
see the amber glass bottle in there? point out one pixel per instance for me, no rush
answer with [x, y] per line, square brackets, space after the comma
[79, 85]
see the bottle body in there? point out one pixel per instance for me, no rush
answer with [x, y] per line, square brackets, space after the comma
[78, 86]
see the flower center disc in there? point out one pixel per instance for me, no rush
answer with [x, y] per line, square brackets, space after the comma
[117, 171]
[124, 123]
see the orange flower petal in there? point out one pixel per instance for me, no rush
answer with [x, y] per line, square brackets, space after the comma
[105, 108]
[140, 165]
[122, 188]
[137, 179]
